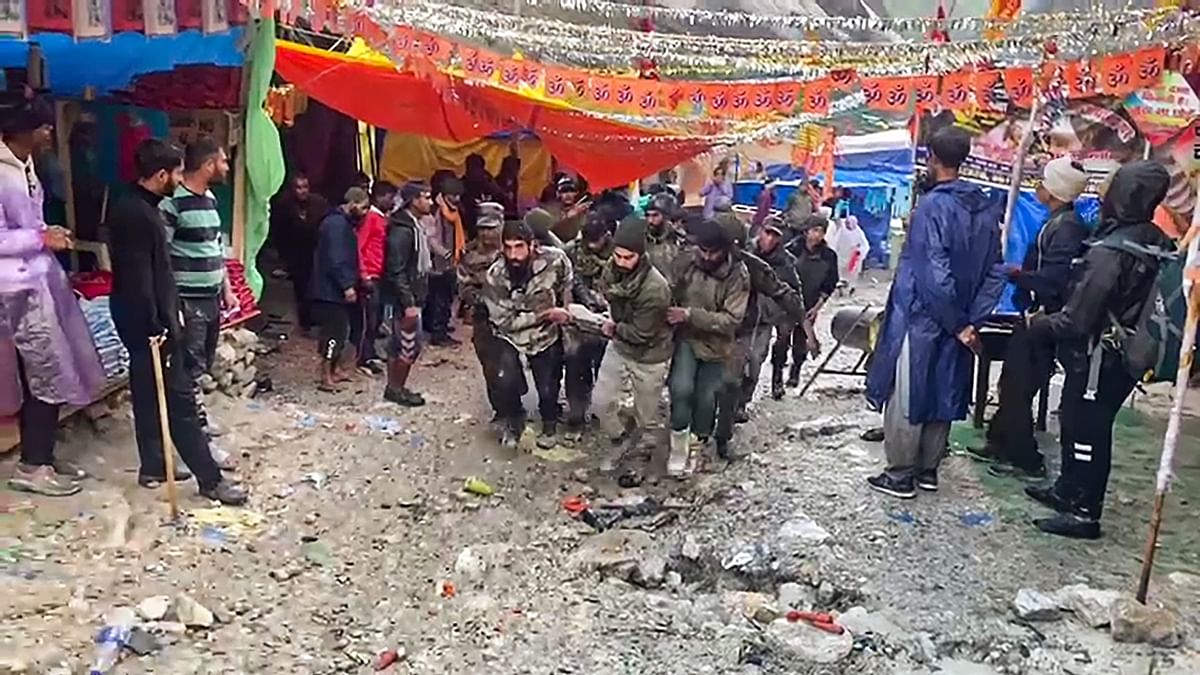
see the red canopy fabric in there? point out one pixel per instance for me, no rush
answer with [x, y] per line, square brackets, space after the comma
[606, 153]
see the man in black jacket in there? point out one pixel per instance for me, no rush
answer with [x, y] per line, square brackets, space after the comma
[1041, 286]
[817, 267]
[334, 286]
[1113, 285]
[145, 310]
[406, 268]
[768, 245]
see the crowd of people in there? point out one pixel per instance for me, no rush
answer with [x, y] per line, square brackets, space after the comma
[599, 302]
[1081, 295]
[594, 300]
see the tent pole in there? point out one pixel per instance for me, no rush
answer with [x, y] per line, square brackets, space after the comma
[1166, 463]
[1014, 187]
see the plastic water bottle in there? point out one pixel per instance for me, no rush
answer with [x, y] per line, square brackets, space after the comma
[109, 642]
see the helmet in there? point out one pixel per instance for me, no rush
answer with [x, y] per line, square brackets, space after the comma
[662, 202]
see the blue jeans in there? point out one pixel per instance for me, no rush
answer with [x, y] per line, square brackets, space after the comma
[694, 384]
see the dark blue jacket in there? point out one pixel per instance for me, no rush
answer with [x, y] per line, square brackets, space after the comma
[1046, 270]
[949, 277]
[335, 263]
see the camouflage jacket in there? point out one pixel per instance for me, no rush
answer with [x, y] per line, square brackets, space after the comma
[514, 312]
[716, 303]
[587, 266]
[472, 274]
[663, 249]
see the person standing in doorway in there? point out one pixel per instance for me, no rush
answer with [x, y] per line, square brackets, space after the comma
[406, 279]
[198, 259]
[1041, 282]
[145, 310]
[947, 282]
[295, 218]
[372, 242]
[444, 233]
[47, 358]
[335, 284]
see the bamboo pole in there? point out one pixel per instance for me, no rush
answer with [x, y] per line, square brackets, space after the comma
[1166, 464]
[164, 424]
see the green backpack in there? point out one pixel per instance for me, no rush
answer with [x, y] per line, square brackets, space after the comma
[1151, 348]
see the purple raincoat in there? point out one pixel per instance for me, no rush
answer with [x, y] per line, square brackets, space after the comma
[40, 319]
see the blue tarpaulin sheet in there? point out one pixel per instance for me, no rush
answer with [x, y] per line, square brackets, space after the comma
[72, 65]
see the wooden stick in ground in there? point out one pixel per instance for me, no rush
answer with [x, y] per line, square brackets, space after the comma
[168, 445]
[1166, 463]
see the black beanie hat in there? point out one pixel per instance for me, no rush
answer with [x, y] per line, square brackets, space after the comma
[631, 235]
[709, 234]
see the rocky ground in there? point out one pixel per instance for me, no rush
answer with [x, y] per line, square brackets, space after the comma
[360, 538]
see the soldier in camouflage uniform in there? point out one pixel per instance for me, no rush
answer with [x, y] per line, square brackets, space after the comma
[589, 252]
[477, 257]
[663, 242]
[526, 292]
[764, 285]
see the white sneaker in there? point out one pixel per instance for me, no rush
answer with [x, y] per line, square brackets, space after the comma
[677, 461]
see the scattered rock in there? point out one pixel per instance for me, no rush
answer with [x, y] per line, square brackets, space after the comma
[1033, 605]
[690, 549]
[820, 426]
[191, 613]
[1091, 606]
[1135, 622]
[810, 644]
[795, 596]
[749, 604]
[650, 572]
[469, 565]
[142, 643]
[154, 608]
[861, 622]
[613, 552]
[286, 572]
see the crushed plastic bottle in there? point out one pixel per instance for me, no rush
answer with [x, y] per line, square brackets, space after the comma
[110, 641]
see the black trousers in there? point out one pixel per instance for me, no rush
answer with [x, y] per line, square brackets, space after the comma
[298, 257]
[186, 429]
[789, 339]
[487, 349]
[581, 369]
[365, 319]
[438, 303]
[1028, 365]
[547, 368]
[201, 330]
[1087, 429]
[38, 423]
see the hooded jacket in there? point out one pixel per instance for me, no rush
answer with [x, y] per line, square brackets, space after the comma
[638, 302]
[1046, 270]
[948, 277]
[404, 280]
[716, 302]
[335, 262]
[1112, 283]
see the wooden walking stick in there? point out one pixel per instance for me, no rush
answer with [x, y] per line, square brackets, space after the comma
[168, 446]
[1166, 463]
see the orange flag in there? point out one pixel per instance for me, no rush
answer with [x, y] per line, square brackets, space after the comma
[956, 90]
[1117, 73]
[816, 96]
[1019, 84]
[925, 91]
[1148, 66]
[984, 83]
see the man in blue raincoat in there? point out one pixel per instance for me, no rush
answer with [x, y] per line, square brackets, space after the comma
[947, 282]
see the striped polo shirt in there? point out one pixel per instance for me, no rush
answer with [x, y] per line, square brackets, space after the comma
[194, 237]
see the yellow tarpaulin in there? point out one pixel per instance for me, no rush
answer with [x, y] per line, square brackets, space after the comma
[413, 157]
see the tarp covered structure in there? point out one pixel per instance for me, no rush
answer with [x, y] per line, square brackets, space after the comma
[371, 89]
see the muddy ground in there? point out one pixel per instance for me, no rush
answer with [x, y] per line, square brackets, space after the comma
[359, 537]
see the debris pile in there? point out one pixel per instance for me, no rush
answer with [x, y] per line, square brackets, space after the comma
[233, 370]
